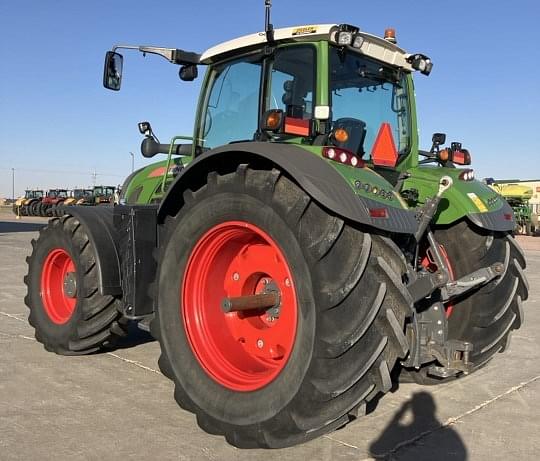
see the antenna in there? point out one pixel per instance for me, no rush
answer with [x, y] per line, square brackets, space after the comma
[268, 27]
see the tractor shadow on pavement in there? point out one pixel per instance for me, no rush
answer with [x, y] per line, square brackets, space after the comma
[17, 226]
[405, 436]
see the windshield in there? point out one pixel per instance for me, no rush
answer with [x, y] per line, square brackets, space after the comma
[367, 96]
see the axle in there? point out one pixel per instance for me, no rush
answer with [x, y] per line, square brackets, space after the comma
[250, 302]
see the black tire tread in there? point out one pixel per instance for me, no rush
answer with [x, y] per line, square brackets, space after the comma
[493, 311]
[346, 369]
[98, 324]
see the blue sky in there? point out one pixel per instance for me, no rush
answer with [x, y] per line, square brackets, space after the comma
[58, 125]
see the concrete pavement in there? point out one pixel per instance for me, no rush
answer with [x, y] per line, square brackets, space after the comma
[118, 405]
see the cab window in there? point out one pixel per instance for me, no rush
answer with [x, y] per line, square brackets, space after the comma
[233, 103]
[292, 81]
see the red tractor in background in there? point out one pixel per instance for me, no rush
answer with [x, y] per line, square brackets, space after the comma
[51, 201]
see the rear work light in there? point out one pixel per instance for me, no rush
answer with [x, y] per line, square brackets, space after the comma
[467, 175]
[346, 35]
[343, 156]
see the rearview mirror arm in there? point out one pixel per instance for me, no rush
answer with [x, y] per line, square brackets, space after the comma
[173, 55]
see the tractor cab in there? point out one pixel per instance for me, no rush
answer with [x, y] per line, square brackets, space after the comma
[318, 85]
[33, 194]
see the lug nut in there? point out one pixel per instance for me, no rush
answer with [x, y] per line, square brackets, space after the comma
[287, 282]
[236, 276]
[260, 343]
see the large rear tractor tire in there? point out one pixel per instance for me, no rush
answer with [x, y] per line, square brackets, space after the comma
[487, 316]
[43, 210]
[68, 313]
[267, 378]
[34, 209]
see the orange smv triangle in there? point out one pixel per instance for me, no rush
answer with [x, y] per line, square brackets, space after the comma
[384, 151]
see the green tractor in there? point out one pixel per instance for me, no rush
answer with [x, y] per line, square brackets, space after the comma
[299, 252]
[99, 195]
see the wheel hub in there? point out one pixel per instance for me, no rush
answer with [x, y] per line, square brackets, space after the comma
[239, 306]
[70, 285]
[58, 286]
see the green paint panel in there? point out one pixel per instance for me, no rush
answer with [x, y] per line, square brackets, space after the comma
[364, 181]
[462, 198]
[149, 179]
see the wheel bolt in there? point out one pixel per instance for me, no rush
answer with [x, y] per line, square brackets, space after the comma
[287, 282]
[236, 276]
[260, 343]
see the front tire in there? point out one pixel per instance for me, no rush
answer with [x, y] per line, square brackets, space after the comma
[339, 332]
[68, 313]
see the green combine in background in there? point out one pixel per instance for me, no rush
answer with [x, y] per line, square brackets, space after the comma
[518, 197]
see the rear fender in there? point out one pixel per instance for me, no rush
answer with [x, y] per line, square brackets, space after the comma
[98, 224]
[471, 199]
[332, 188]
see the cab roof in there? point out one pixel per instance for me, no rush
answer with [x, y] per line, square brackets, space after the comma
[373, 46]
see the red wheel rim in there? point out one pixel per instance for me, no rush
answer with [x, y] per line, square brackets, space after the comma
[243, 351]
[429, 263]
[58, 304]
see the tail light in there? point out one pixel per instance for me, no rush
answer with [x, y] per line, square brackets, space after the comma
[343, 156]
[461, 157]
[455, 155]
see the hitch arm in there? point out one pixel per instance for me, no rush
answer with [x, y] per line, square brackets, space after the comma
[472, 280]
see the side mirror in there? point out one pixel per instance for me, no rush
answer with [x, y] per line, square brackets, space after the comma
[438, 139]
[112, 71]
[188, 72]
[145, 128]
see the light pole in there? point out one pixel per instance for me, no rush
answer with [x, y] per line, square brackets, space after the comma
[13, 184]
[132, 162]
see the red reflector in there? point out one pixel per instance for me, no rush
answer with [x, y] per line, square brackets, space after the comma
[378, 212]
[297, 126]
[508, 216]
[384, 150]
[157, 172]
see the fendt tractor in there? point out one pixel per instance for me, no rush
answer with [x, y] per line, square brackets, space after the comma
[299, 252]
[29, 204]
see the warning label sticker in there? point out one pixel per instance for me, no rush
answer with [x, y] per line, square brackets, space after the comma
[304, 30]
[476, 200]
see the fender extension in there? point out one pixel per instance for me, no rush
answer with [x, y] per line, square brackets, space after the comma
[313, 174]
[124, 239]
